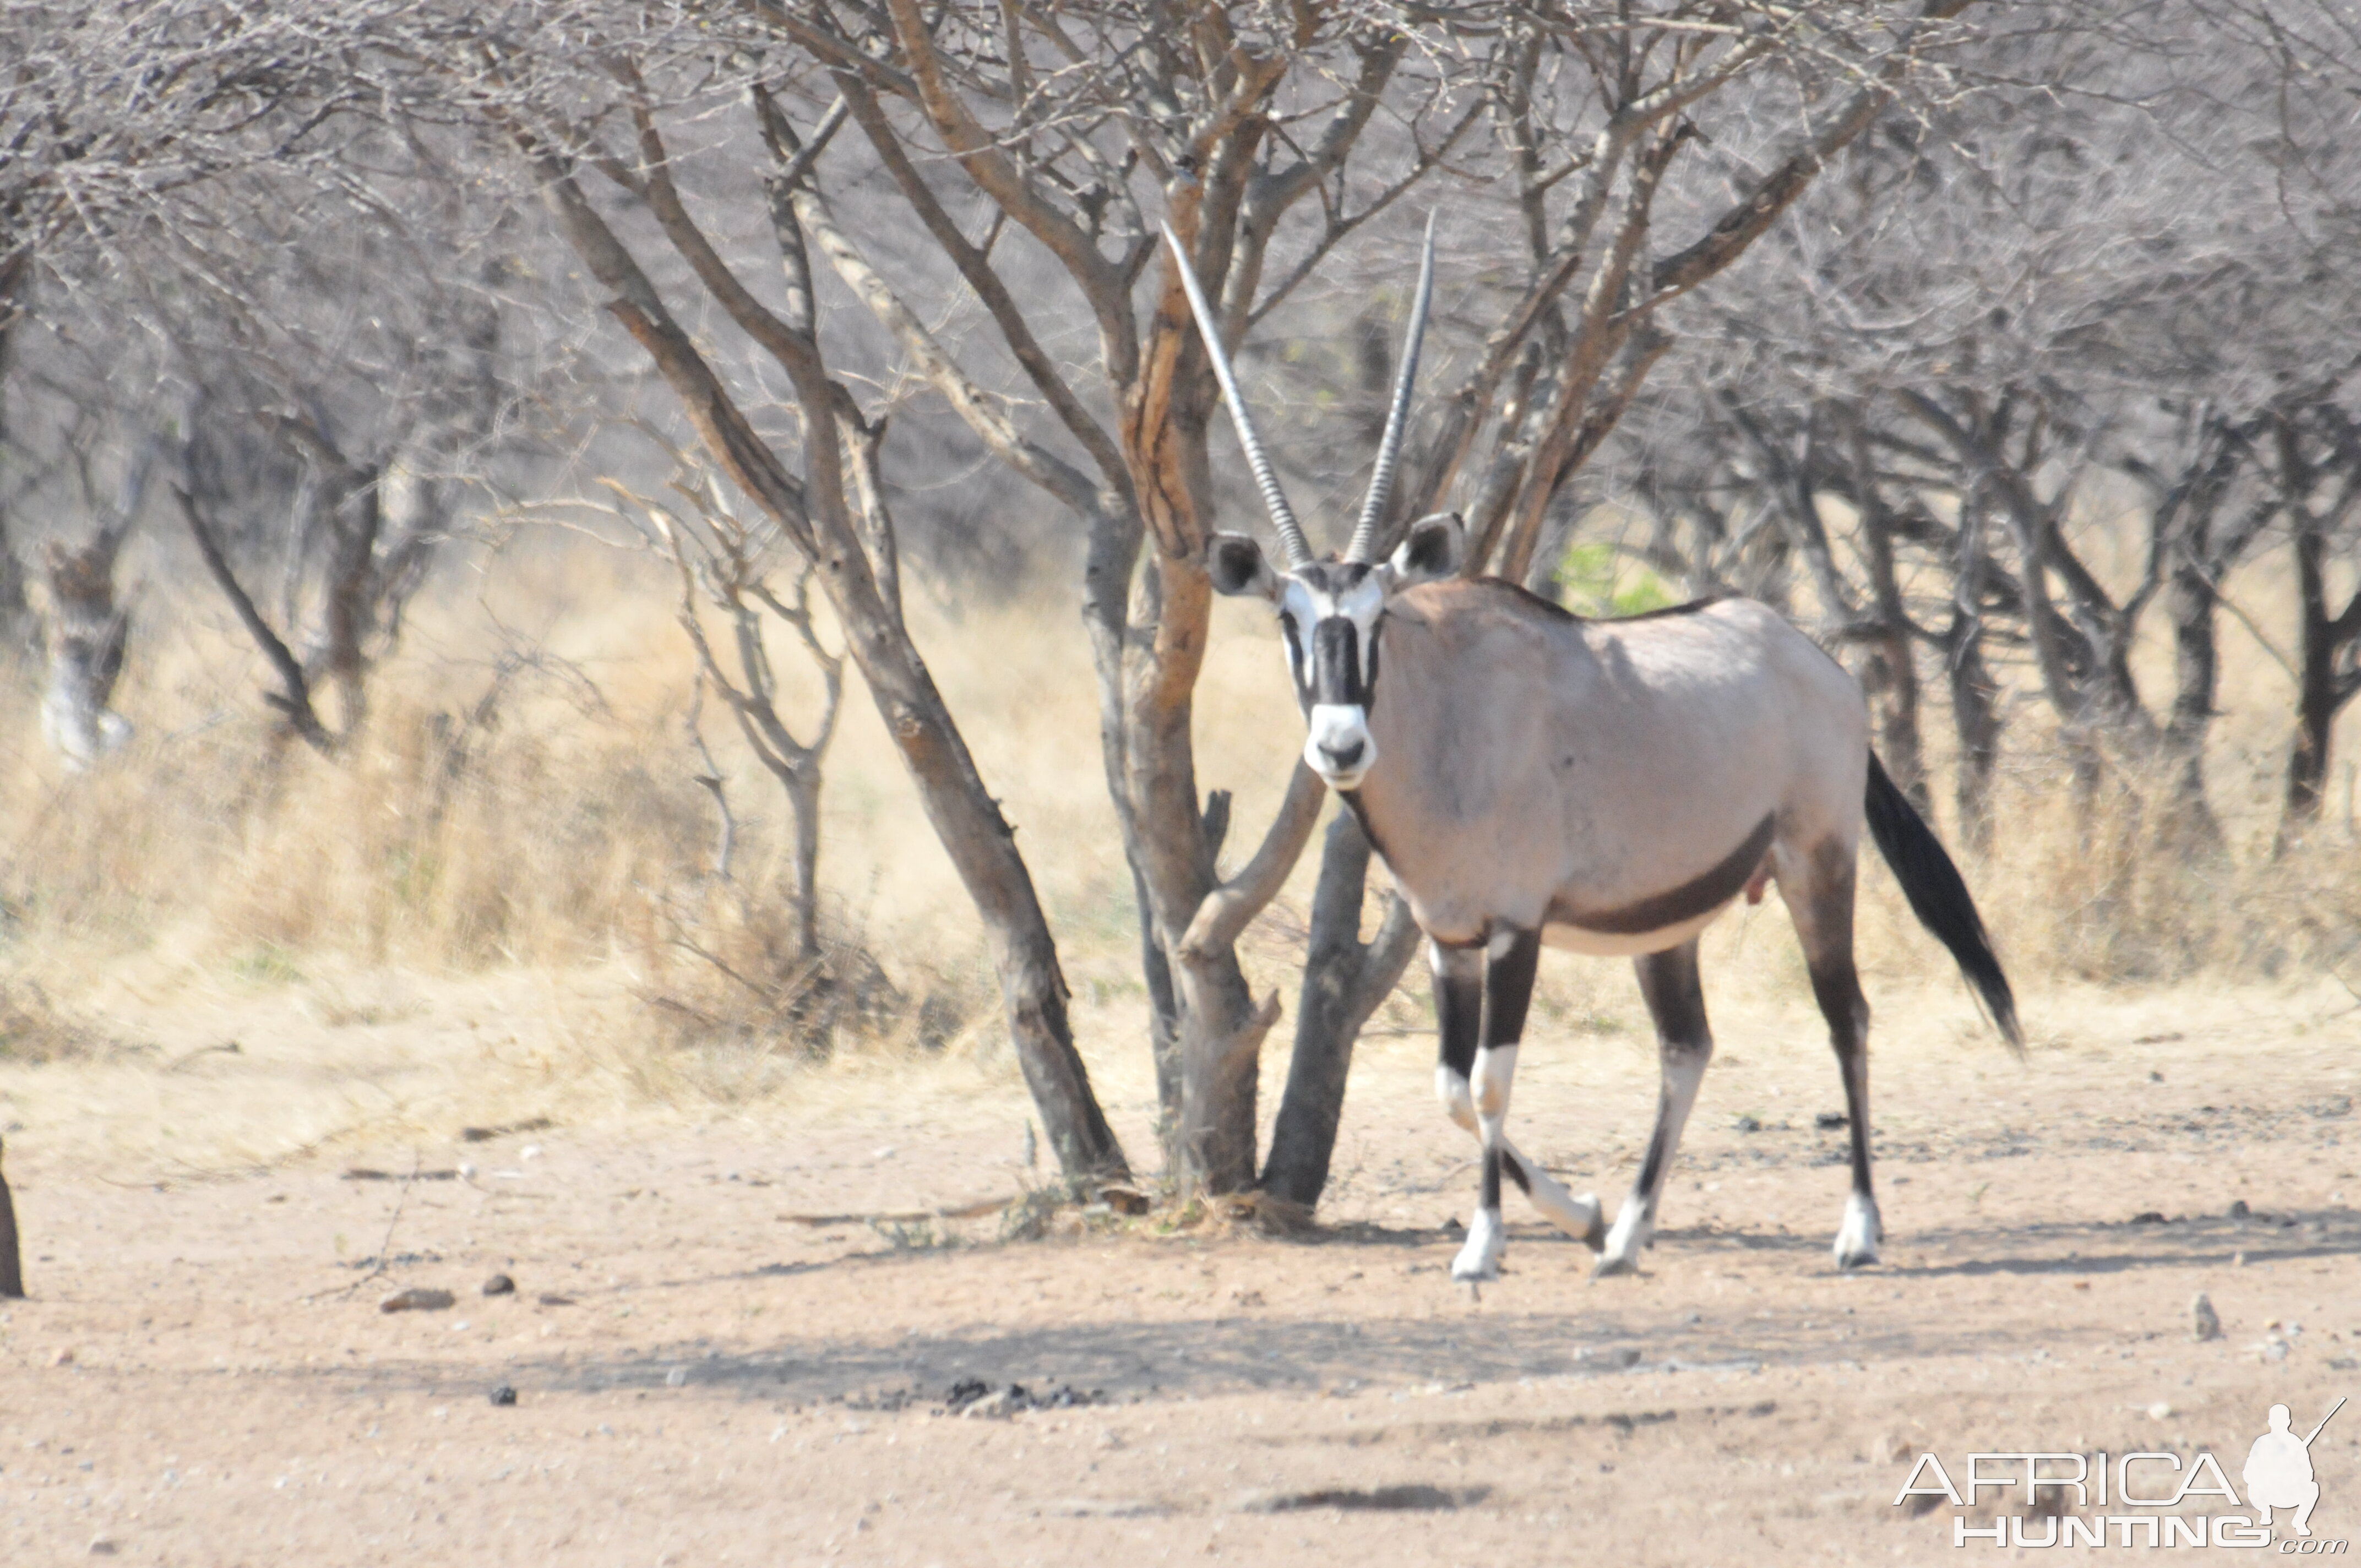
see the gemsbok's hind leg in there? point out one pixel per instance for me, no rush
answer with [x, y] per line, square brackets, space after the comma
[1459, 1017]
[1822, 910]
[1675, 998]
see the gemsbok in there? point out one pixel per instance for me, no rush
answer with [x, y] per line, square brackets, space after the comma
[1532, 777]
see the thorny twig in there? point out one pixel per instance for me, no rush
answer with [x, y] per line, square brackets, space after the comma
[385, 1247]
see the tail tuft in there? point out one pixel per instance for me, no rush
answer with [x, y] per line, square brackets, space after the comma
[1937, 894]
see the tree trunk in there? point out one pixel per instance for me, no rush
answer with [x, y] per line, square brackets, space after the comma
[2189, 604]
[983, 848]
[16, 613]
[803, 873]
[1977, 721]
[1163, 1026]
[1344, 979]
[12, 1265]
[1891, 677]
[2319, 693]
[1163, 438]
[86, 635]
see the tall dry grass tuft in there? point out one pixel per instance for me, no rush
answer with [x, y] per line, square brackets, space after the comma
[430, 842]
[2124, 889]
[525, 802]
[730, 977]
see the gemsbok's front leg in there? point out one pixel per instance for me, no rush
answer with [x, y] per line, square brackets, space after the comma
[1510, 960]
[1459, 1018]
[1675, 998]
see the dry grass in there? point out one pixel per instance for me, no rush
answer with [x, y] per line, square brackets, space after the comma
[503, 907]
[32, 1029]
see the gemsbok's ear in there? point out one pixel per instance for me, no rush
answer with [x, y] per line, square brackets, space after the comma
[1235, 563]
[1430, 551]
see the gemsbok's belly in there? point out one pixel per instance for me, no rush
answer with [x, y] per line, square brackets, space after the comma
[1628, 944]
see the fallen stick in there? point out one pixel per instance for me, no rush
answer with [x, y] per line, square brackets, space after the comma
[903, 1216]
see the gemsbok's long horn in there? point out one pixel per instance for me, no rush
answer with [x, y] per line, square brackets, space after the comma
[1282, 516]
[1381, 478]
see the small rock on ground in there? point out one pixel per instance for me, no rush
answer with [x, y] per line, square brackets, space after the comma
[417, 1298]
[2205, 1324]
[500, 1285]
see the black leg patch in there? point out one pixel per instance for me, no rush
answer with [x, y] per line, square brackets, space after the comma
[1509, 989]
[1837, 987]
[1459, 1015]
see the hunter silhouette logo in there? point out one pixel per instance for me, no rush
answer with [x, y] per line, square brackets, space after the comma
[2278, 1471]
[2091, 1498]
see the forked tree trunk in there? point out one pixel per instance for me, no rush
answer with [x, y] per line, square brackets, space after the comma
[1221, 1028]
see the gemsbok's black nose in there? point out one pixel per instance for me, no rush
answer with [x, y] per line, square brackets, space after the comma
[1341, 757]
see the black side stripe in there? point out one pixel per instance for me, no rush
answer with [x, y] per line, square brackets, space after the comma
[1699, 895]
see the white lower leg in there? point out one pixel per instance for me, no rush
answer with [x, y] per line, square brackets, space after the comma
[1858, 1237]
[1459, 1099]
[1577, 1217]
[1636, 1223]
[1496, 1073]
[1479, 1259]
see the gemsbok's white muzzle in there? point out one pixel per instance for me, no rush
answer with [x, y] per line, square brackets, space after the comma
[1340, 749]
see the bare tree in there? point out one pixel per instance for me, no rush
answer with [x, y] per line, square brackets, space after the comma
[112, 119]
[1963, 346]
[87, 630]
[725, 566]
[571, 117]
[2313, 458]
[1253, 136]
[1083, 131]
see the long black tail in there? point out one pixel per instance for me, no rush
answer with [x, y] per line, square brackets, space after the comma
[1937, 894]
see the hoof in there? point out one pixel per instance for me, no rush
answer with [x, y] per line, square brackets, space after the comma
[1595, 1238]
[1479, 1261]
[1857, 1238]
[1634, 1228]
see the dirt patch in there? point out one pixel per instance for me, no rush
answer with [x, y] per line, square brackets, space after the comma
[734, 1341]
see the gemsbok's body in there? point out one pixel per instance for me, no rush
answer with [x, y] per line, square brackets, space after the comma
[1533, 778]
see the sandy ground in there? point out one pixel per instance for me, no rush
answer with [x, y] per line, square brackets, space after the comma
[701, 1375]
